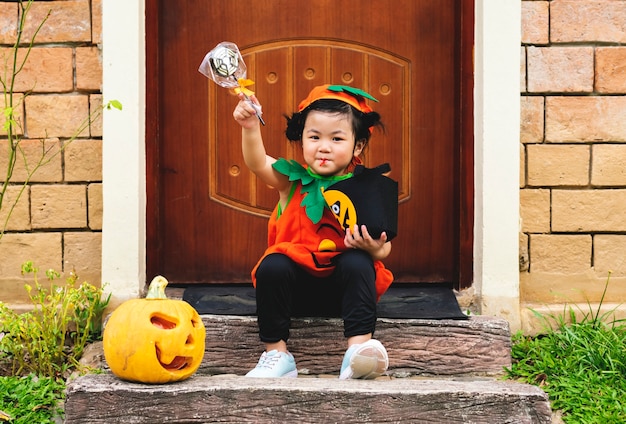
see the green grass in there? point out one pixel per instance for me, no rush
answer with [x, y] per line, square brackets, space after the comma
[31, 399]
[579, 363]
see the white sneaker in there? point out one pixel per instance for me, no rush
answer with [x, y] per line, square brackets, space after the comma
[275, 364]
[366, 360]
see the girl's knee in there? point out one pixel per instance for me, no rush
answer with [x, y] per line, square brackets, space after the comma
[273, 266]
[356, 261]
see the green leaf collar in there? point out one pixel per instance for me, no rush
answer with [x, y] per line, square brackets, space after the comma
[313, 186]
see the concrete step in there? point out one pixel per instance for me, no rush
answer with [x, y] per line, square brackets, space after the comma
[441, 371]
[478, 346]
[102, 398]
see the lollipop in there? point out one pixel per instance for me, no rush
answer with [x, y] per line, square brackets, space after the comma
[225, 66]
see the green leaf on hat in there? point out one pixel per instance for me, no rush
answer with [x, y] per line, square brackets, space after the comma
[351, 90]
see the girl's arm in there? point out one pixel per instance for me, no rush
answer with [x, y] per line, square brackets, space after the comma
[252, 147]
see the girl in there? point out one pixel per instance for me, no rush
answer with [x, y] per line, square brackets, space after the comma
[312, 267]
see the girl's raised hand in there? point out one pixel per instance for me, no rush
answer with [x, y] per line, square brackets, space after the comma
[245, 114]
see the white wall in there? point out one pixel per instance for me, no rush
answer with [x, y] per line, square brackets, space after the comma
[497, 111]
[124, 174]
[496, 149]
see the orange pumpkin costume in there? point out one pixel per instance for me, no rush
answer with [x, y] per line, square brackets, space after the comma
[313, 246]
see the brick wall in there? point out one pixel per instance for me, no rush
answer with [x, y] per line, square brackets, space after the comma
[573, 149]
[58, 221]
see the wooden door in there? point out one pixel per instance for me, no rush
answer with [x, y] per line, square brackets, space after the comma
[207, 214]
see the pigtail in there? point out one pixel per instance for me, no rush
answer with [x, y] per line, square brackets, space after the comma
[295, 125]
[372, 119]
[369, 121]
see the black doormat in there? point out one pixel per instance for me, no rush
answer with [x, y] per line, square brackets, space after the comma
[411, 301]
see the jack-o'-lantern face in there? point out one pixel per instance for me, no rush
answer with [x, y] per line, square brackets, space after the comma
[342, 207]
[154, 340]
[329, 238]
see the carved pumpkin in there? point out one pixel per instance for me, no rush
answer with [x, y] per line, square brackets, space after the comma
[154, 340]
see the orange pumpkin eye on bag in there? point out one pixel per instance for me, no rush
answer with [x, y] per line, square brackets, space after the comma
[154, 340]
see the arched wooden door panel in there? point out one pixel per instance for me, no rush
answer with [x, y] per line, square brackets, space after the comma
[313, 63]
[207, 214]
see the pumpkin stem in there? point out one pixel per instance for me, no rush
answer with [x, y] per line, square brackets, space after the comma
[156, 290]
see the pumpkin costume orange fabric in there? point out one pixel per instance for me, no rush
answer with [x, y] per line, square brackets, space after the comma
[306, 231]
[312, 246]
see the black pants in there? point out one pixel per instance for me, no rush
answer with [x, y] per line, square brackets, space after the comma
[284, 290]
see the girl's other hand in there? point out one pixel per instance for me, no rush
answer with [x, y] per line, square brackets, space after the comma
[377, 248]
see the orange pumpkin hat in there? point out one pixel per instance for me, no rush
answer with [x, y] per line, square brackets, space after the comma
[353, 96]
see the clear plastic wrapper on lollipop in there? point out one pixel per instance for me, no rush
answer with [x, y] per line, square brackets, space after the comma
[225, 66]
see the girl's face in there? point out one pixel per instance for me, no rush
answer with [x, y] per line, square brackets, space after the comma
[328, 144]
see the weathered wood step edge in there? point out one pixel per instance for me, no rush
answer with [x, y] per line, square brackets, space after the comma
[478, 346]
[102, 398]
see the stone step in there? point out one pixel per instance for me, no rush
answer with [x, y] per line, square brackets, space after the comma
[102, 398]
[441, 371]
[478, 346]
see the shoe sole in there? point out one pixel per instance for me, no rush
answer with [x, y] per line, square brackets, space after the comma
[367, 362]
[290, 374]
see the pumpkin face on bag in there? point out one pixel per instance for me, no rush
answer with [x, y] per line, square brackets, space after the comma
[368, 198]
[154, 340]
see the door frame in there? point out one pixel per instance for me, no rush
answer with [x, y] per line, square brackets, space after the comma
[494, 235]
[462, 202]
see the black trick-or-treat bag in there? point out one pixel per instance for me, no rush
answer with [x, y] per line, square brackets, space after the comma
[368, 198]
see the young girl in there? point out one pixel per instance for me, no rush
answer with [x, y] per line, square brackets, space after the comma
[312, 267]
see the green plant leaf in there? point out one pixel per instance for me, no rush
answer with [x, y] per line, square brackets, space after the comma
[115, 104]
[49, 340]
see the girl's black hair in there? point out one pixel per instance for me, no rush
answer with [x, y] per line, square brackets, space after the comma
[361, 122]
